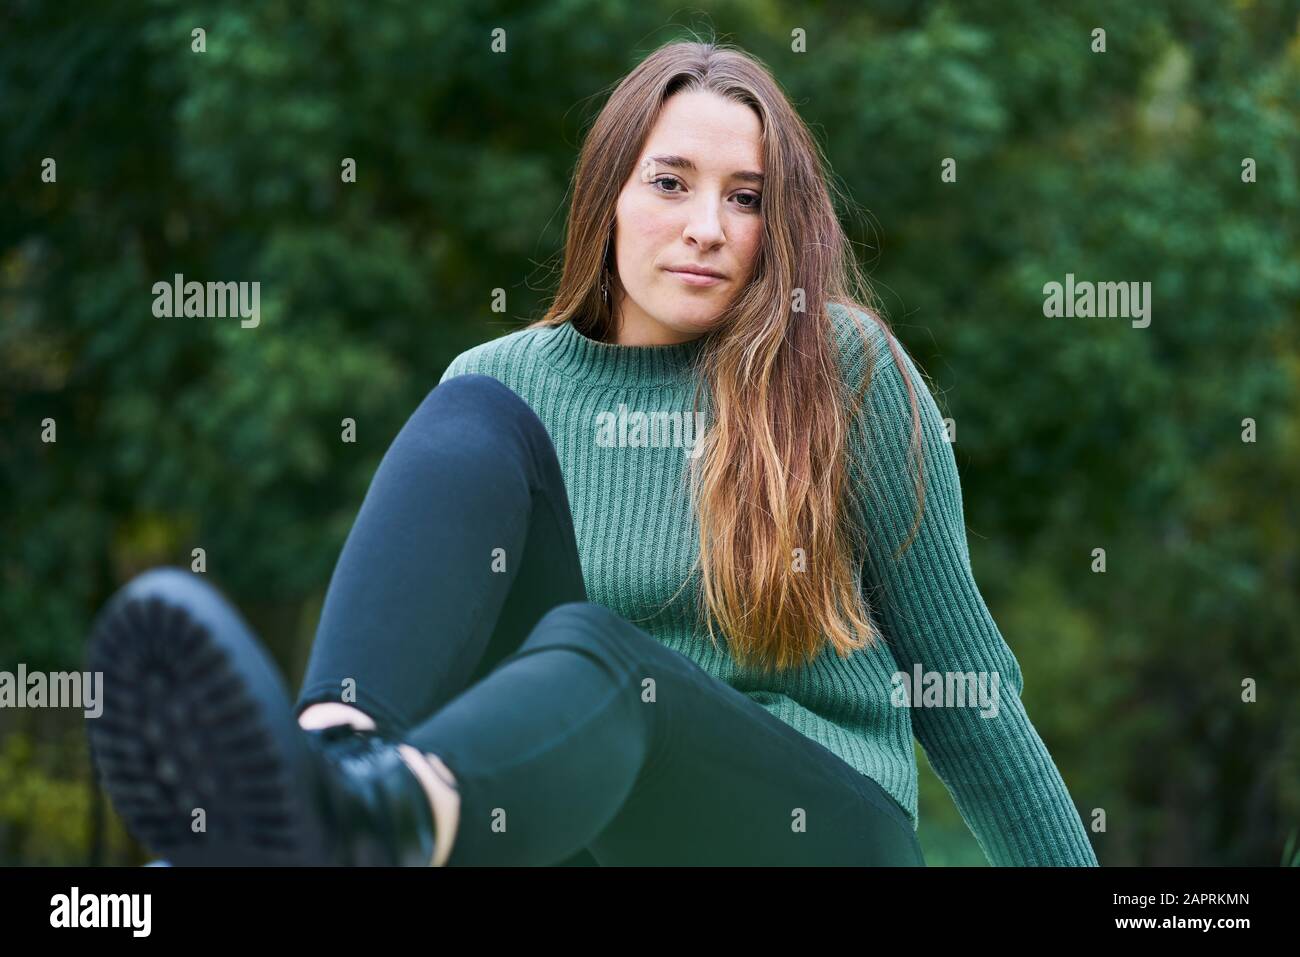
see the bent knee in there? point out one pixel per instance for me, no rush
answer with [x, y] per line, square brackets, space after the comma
[473, 388]
[483, 396]
[582, 623]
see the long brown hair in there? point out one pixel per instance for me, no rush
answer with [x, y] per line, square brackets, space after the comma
[773, 474]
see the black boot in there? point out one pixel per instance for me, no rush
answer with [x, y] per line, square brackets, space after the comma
[201, 754]
[379, 813]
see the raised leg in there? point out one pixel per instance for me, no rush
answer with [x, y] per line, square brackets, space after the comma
[595, 735]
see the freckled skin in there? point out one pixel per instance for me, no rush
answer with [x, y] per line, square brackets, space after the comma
[668, 216]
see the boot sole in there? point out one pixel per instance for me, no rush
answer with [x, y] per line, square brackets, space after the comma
[197, 726]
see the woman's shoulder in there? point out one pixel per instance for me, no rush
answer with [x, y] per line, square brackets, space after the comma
[498, 356]
[868, 350]
[897, 396]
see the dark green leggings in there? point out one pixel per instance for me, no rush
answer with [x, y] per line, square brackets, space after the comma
[538, 700]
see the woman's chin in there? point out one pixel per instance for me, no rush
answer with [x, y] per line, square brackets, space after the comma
[690, 324]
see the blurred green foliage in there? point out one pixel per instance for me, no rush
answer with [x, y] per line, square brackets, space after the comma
[1072, 434]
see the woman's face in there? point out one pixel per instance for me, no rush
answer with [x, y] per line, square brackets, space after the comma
[692, 201]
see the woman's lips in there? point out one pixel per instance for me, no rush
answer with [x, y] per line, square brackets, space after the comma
[695, 279]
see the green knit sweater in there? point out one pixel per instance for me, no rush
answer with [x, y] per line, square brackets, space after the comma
[637, 540]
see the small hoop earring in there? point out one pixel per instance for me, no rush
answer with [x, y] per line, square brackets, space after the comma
[604, 273]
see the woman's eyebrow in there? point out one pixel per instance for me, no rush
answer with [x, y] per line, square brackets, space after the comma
[673, 161]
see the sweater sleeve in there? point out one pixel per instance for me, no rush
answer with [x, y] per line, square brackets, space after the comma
[992, 760]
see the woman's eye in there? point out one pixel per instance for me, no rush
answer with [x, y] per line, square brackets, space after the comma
[752, 201]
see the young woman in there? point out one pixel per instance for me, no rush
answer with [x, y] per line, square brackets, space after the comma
[664, 578]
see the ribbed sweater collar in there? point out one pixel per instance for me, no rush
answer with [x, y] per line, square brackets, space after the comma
[570, 352]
